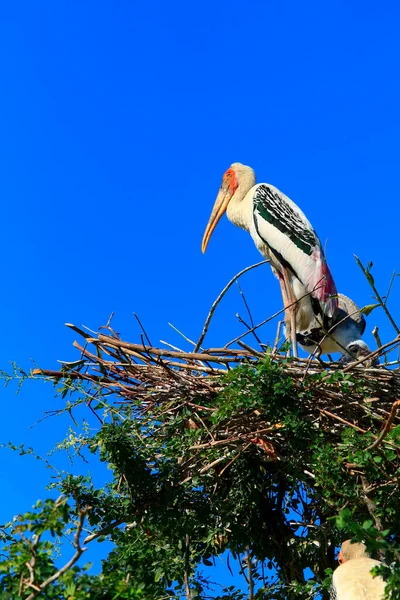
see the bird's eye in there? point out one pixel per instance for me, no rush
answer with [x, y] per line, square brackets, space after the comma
[228, 175]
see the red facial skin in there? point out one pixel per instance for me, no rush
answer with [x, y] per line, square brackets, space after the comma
[230, 180]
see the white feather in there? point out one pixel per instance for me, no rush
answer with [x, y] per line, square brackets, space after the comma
[353, 580]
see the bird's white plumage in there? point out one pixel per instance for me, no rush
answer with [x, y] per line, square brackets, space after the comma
[292, 239]
[267, 236]
[242, 216]
[308, 272]
[353, 581]
[347, 328]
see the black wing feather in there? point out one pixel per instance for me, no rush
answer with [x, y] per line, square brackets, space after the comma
[333, 595]
[268, 205]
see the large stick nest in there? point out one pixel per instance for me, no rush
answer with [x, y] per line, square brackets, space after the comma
[157, 379]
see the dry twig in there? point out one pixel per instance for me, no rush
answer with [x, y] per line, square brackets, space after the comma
[219, 298]
[79, 550]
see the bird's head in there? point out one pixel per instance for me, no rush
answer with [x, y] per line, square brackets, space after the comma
[359, 349]
[231, 180]
[350, 551]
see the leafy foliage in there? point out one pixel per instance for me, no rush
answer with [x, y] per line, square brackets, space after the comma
[279, 501]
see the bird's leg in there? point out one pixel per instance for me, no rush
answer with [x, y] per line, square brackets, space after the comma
[278, 335]
[290, 316]
[285, 304]
[291, 310]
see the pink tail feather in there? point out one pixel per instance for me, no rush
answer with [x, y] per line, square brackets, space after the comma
[324, 286]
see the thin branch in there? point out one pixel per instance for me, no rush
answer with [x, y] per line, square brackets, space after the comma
[356, 363]
[183, 335]
[377, 295]
[104, 531]
[277, 337]
[205, 427]
[390, 286]
[78, 553]
[239, 337]
[157, 351]
[386, 429]
[349, 424]
[279, 312]
[219, 298]
[329, 334]
[372, 354]
[245, 303]
[143, 329]
[243, 322]
[251, 350]
[375, 333]
[344, 421]
[77, 330]
[370, 504]
[233, 459]
[239, 437]
[187, 567]
[250, 576]
[214, 463]
[171, 346]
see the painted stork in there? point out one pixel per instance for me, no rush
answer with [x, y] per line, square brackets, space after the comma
[356, 351]
[321, 320]
[345, 333]
[353, 580]
[282, 233]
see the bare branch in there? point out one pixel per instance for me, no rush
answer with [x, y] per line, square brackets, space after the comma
[386, 428]
[104, 531]
[279, 312]
[375, 333]
[377, 295]
[74, 559]
[370, 504]
[250, 574]
[187, 568]
[219, 298]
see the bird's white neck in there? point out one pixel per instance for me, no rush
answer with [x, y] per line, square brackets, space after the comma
[239, 210]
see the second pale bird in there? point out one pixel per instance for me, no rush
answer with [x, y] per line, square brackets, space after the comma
[282, 233]
[353, 579]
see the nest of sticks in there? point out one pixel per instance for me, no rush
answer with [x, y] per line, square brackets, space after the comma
[151, 378]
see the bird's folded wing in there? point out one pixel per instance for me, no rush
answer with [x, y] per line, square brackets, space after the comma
[281, 224]
[276, 208]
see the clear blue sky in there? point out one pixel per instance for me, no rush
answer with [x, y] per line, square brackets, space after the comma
[117, 123]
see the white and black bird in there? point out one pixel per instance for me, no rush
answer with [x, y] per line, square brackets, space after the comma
[358, 350]
[353, 580]
[344, 335]
[284, 235]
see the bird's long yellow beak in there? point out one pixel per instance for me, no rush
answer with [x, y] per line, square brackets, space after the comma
[221, 204]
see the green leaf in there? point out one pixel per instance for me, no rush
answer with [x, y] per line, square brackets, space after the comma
[366, 310]
[158, 574]
[368, 524]
[366, 270]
